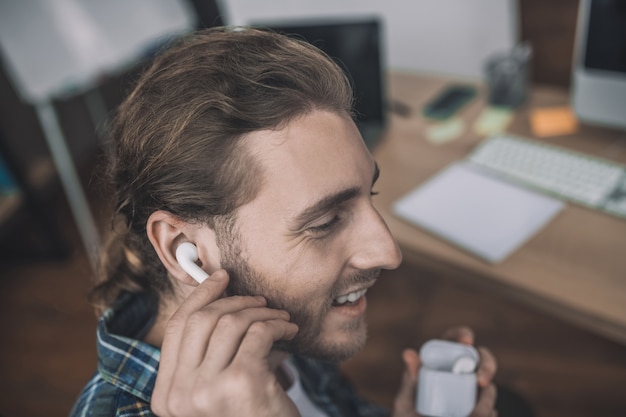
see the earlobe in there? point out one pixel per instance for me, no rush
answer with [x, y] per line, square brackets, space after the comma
[167, 232]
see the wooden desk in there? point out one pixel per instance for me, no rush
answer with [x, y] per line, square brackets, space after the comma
[574, 268]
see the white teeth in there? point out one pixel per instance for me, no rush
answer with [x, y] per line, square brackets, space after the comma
[352, 297]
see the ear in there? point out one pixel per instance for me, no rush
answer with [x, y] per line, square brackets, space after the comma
[166, 231]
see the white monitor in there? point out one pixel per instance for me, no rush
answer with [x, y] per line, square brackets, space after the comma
[599, 72]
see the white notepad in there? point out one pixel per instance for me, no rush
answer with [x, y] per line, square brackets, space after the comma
[479, 213]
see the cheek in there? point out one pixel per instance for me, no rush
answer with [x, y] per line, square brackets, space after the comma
[303, 269]
[308, 274]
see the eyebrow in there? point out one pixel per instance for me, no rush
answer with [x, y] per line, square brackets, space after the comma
[329, 202]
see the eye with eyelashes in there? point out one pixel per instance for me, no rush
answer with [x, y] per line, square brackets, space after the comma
[332, 223]
[325, 227]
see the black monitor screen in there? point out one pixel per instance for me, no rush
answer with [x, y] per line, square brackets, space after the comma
[606, 36]
[355, 46]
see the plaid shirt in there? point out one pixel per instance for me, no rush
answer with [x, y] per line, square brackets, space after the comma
[127, 370]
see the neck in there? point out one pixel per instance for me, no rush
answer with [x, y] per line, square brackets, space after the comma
[156, 333]
[275, 359]
[168, 304]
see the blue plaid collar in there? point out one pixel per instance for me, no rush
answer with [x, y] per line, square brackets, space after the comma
[123, 359]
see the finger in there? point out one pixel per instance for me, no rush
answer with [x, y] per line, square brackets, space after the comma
[201, 324]
[260, 337]
[486, 402]
[230, 331]
[202, 295]
[461, 334]
[205, 293]
[404, 402]
[412, 362]
[487, 368]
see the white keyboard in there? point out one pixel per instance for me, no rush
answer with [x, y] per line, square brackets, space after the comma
[566, 174]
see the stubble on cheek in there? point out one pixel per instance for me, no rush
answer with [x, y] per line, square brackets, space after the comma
[309, 312]
[309, 318]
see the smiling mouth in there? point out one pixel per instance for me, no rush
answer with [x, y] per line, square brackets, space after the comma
[349, 299]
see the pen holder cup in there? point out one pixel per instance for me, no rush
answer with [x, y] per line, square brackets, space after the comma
[507, 76]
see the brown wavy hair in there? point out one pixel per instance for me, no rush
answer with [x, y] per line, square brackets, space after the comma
[176, 143]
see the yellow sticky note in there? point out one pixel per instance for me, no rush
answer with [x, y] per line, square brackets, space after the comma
[553, 121]
[493, 120]
[443, 132]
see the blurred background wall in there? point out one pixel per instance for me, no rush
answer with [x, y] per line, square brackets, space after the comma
[445, 36]
[432, 35]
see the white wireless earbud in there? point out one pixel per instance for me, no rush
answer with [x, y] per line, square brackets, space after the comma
[464, 365]
[187, 255]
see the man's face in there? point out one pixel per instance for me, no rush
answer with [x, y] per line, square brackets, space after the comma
[311, 242]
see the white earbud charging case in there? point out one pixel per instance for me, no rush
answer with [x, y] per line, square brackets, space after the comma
[440, 392]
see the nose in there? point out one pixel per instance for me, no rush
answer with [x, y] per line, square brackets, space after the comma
[374, 246]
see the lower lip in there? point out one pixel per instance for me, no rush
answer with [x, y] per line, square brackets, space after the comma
[354, 310]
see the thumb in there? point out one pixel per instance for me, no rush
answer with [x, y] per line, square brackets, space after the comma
[404, 403]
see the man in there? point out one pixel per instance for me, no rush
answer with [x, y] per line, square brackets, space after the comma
[242, 143]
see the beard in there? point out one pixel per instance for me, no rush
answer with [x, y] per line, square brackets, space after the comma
[309, 341]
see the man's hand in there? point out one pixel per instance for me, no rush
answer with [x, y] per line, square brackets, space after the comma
[214, 358]
[404, 405]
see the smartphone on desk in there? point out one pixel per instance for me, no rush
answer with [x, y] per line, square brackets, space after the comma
[449, 101]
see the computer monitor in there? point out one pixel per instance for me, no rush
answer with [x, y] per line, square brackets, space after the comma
[355, 44]
[599, 73]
